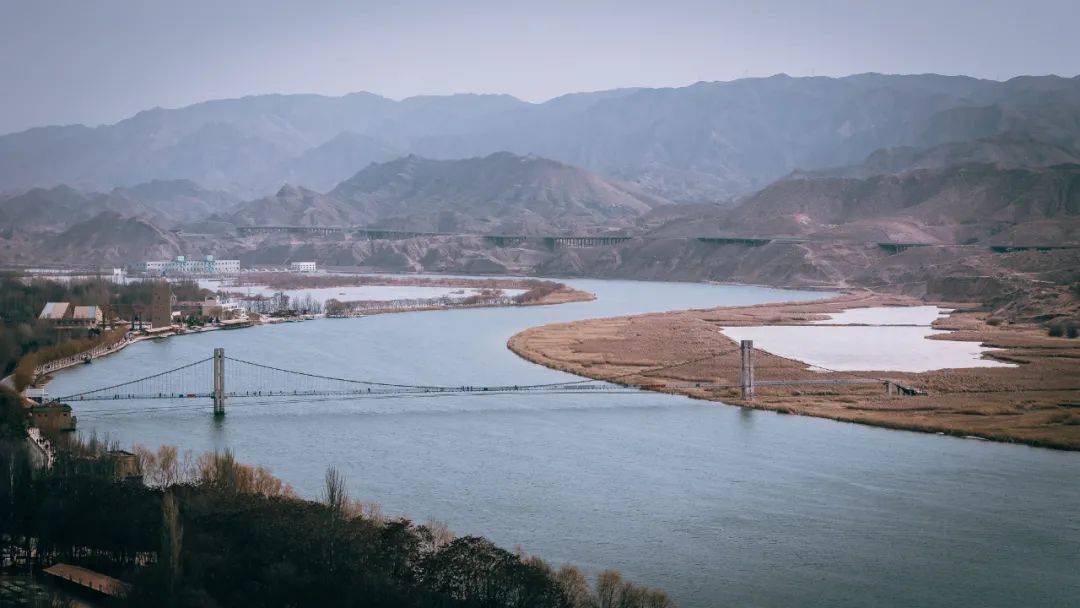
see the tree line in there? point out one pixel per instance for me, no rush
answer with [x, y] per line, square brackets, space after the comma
[23, 297]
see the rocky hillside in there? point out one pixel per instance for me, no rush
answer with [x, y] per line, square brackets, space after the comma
[498, 194]
[963, 204]
[109, 238]
[1030, 282]
[325, 166]
[164, 203]
[40, 209]
[292, 206]
[705, 142]
[169, 203]
[1007, 151]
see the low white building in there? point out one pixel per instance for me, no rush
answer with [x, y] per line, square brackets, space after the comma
[302, 267]
[182, 265]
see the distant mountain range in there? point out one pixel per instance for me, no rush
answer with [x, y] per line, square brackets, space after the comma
[707, 142]
[840, 165]
[165, 203]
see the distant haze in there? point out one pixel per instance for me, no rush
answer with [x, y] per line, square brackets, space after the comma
[97, 62]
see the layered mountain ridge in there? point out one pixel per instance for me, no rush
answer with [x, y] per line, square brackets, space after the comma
[166, 203]
[705, 142]
[835, 171]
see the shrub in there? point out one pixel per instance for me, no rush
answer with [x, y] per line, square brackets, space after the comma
[1067, 329]
[538, 290]
[13, 417]
[994, 321]
[25, 372]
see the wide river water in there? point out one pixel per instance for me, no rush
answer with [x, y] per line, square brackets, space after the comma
[718, 505]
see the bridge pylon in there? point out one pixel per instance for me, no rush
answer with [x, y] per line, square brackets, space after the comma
[746, 376]
[219, 382]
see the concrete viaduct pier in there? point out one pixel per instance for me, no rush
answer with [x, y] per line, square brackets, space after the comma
[559, 242]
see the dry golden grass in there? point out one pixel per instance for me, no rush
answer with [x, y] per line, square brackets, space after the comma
[1036, 403]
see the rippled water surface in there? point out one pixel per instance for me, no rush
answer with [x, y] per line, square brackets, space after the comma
[716, 504]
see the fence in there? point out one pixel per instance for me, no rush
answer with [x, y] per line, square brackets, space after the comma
[98, 351]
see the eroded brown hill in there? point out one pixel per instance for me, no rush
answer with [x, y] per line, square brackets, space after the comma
[501, 193]
[964, 204]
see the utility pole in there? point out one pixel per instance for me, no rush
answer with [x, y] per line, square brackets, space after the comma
[219, 382]
[746, 379]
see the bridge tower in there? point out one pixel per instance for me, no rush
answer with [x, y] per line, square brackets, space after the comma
[746, 379]
[219, 382]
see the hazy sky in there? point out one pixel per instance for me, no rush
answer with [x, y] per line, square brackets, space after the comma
[94, 61]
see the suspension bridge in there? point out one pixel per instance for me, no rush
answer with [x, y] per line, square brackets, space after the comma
[208, 379]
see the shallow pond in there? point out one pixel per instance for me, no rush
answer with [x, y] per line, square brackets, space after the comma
[864, 339]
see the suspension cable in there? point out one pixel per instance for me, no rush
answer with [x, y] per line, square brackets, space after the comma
[129, 382]
[411, 388]
[494, 387]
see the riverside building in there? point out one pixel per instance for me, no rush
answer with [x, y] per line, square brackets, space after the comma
[303, 267]
[182, 265]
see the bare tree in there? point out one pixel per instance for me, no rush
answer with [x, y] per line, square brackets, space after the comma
[147, 461]
[368, 509]
[608, 586]
[631, 596]
[219, 470]
[168, 466]
[656, 598]
[575, 587]
[437, 536]
[335, 495]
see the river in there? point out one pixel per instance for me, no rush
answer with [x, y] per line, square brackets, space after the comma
[718, 505]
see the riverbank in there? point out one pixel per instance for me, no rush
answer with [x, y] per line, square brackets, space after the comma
[44, 371]
[557, 294]
[1037, 402]
[560, 294]
[293, 281]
